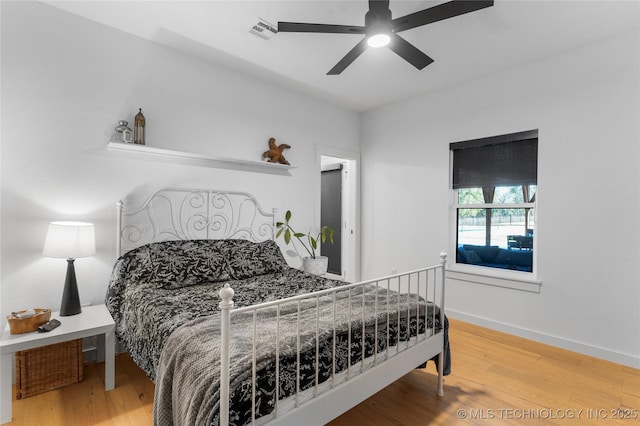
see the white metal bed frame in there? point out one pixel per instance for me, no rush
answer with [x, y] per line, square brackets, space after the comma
[189, 214]
[182, 213]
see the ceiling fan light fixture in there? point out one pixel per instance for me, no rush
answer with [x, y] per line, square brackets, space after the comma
[380, 29]
[378, 40]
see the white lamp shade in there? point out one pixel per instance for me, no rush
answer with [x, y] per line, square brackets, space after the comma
[70, 240]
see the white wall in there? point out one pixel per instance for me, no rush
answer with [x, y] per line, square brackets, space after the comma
[67, 81]
[585, 104]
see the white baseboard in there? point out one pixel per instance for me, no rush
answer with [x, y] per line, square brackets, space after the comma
[571, 345]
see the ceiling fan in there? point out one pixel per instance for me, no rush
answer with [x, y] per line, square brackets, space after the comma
[381, 30]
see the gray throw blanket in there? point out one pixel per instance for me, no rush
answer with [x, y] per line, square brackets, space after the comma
[188, 379]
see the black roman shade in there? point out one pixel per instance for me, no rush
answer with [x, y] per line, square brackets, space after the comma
[505, 160]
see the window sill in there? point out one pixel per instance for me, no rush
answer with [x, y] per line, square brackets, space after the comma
[506, 279]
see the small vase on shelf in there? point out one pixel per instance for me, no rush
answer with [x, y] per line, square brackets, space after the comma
[138, 128]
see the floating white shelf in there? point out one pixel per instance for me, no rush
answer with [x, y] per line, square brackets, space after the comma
[182, 157]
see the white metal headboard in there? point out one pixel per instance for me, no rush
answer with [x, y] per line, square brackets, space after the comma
[186, 213]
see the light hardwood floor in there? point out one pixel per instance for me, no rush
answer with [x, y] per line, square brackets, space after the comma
[496, 379]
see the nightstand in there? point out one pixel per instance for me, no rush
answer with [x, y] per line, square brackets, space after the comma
[94, 320]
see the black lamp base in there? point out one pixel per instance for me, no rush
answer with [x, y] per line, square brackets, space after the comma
[70, 297]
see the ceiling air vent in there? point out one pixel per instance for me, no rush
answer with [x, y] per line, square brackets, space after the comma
[263, 29]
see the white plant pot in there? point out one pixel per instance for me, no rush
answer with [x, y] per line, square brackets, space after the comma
[317, 266]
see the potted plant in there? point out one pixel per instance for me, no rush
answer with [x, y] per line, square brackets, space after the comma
[313, 263]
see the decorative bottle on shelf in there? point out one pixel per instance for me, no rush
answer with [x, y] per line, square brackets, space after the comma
[123, 132]
[138, 128]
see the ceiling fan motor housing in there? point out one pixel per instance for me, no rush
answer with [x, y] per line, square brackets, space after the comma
[377, 21]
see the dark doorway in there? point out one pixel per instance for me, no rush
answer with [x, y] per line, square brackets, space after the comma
[331, 214]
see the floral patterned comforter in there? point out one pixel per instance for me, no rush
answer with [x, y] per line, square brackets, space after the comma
[156, 288]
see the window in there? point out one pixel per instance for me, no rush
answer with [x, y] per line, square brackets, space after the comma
[494, 184]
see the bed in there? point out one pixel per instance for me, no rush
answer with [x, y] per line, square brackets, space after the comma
[208, 307]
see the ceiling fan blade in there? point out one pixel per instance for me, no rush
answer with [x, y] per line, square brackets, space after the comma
[300, 27]
[438, 13]
[409, 52]
[349, 58]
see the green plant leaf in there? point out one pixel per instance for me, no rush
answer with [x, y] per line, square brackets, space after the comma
[311, 244]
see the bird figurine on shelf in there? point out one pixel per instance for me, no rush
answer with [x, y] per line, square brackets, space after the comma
[274, 154]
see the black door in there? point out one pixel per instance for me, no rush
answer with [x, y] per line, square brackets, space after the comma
[331, 215]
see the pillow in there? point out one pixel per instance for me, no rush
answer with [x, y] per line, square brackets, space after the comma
[471, 257]
[135, 265]
[252, 259]
[178, 264]
[486, 253]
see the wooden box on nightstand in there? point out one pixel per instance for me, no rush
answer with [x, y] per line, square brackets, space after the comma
[49, 367]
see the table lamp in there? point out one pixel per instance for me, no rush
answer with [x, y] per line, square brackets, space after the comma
[70, 240]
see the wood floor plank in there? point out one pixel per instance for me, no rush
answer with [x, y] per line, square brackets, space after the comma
[496, 379]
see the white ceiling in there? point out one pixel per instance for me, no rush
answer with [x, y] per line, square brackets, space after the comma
[511, 33]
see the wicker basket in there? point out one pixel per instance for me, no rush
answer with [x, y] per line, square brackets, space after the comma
[49, 367]
[28, 325]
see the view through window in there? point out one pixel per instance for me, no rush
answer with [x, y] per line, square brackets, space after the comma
[495, 187]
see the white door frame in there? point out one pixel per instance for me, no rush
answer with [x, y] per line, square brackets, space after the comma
[350, 232]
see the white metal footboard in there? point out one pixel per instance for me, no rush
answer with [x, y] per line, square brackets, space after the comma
[391, 300]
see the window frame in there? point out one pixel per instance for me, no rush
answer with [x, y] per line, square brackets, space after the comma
[487, 270]
[522, 280]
